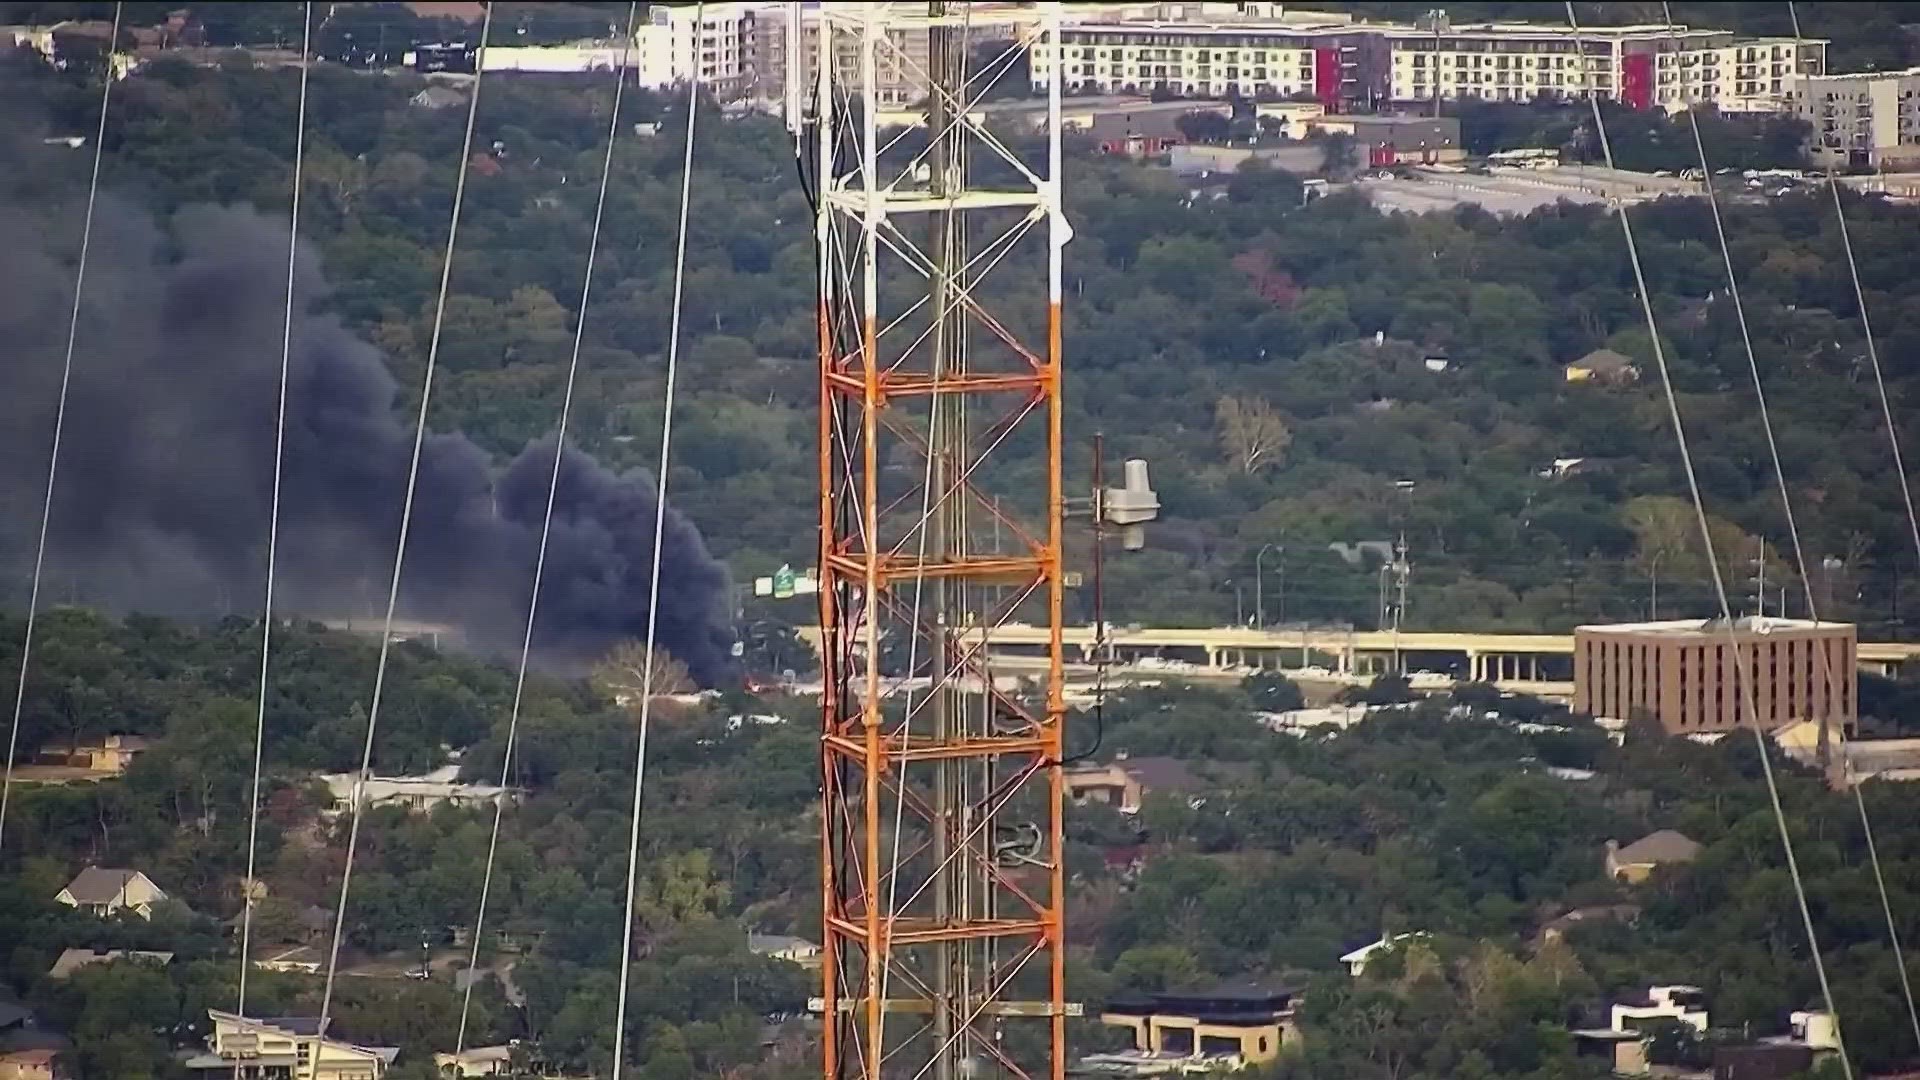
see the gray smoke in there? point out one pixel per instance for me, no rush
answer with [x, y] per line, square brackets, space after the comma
[166, 472]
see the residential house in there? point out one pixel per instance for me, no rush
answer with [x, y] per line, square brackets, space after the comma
[1125, 861]
[107, 892]
[441, 787]
[1556, 929]
[1635, 863]
[796, 950]
[1602, 366]
[21, 1030]
[434, 98]
[1622, 1044]
[41, 1064]
[1126, 780]
[109, 755]
[74, 959]
[1358, 959]
[1858, 759]
[284, 1047]
[476, 1061]
[1226, 1029]
[14, 1016]
[1816, 1028]
[299, 959]
[1623, 1052]
[1663, 1004]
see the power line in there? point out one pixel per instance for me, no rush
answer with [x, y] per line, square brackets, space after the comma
[273, 519]
[1745, 677]
[1866, 325]
[400, 551]
[546, 528]
[59, 422]
[1906, 494]
[659, 536]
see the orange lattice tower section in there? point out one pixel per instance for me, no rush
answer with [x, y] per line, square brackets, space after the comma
[941, 504]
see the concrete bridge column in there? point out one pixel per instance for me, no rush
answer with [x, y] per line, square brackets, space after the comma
[1213, 657]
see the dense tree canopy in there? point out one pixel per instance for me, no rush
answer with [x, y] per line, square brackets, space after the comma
[1441, 817]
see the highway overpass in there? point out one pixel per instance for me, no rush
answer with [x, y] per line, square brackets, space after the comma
[1533, 663]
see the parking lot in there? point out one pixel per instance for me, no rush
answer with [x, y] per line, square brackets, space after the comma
[1519, 191]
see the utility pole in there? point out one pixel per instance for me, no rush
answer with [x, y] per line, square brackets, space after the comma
[1401, 570]
[1759, 579]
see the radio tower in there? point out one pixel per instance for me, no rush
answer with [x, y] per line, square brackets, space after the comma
[941, 798]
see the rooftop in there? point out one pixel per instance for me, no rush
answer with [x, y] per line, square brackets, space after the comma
[1603, 360]
[73, 960]
[1159, 773]
[1694, 627]
[1844, 76]
[774, 943]
[1367, 951]
[1328, 23]
[308, 1026]
[1663, 846]
[1222, 1004]
[101, 885]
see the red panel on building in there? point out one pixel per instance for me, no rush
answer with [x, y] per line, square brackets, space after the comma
[1636, 80]
[1326, 78]
[1382, 156]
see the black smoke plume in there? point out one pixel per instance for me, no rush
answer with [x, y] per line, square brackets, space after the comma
[166, 471]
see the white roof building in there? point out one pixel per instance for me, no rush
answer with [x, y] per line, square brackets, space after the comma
[1686, 1004]
[476, 1061]
[437, 788]
[1358, 959]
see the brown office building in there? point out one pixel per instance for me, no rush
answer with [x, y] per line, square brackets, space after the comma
[1684, 674]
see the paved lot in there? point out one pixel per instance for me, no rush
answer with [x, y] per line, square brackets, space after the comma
[1519, 192]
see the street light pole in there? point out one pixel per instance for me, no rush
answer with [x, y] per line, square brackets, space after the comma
[1260, 582]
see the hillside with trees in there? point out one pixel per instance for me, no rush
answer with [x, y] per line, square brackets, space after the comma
[1473, 818]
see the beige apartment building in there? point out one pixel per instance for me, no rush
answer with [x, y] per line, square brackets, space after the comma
[1641, 66]
[1349, 65]
[1687, 673]
[1869, 119]
[900, 63]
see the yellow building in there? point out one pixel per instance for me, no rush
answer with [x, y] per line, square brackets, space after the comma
[1227, 1028]
[283, 1048]
[1603, 366]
